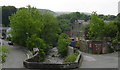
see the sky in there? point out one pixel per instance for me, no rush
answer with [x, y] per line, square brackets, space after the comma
[105, 7]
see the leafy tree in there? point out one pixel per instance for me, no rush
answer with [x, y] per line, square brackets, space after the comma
[65, 25]
[35, 42]
[28, 21]
[24, 23]
[118, 17]
[110, 30]
[66, 20]
[107, 17]
[50, 30]
[6, 12]
[117, 23]
[96, 28]
[31, 28]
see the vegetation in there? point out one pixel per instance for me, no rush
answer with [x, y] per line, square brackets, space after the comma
[3, 51]
[72, 57]
[35, 42]
[98, 29]
[31, 28]
[108, 17]
[117, 23]
[110, 30]
[66, 20]
[62, 44]
[6, 12]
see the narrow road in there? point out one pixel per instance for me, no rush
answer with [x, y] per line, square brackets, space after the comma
[100, 61]
[15, 58]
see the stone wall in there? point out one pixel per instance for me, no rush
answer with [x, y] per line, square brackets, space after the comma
[70, 50]
[33, 64]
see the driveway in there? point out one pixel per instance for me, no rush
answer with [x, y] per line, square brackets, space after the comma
[100, 61]
[15, 58]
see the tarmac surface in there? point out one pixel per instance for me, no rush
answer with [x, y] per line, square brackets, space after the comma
[100, 61]
[15, 57]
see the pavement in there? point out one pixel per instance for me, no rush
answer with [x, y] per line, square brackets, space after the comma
[100, 61]
[15, 57]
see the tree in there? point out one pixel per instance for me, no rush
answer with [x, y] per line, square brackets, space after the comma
[31, 28]
[6, 12]
[28, 21]
[117, 23]
[35, 42]
[96, 28]
[24, 23]
[66, 20]
[107, 17]
[110, 30]
[118, 17]
[50, 30]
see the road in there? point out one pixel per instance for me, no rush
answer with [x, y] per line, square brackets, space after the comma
[100, 61]
[15, 58]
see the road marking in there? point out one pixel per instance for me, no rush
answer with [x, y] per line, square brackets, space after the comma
[89, 58]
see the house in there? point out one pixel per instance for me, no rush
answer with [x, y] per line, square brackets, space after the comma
[3, 31]
[77, 29]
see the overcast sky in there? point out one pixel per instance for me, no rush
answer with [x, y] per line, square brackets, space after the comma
[101, 6]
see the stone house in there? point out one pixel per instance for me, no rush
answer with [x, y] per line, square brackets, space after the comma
[77, 29]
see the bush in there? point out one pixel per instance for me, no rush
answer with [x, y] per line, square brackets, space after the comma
[35, 42]
[114, 41]
[71, 57]
[42, 55]
[62, 45]
[3, 56]
[3, 51]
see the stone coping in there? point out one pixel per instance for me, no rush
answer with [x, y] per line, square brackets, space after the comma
[32, 63]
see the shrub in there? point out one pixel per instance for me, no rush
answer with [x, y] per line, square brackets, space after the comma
[62, 45]
[42, 55]
[35, 42]
[71, 57]
[3, 51]
[3, 56]
[114, 41]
